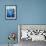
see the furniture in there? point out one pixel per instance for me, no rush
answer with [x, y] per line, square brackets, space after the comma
[33, 32]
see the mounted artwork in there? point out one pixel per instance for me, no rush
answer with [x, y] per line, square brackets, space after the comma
[10, 12]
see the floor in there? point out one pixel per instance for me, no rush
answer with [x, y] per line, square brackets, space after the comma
[30, 43]
[7, 45]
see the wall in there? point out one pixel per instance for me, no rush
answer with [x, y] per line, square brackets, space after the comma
[28, 12]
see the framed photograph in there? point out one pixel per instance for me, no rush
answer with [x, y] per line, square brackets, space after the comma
[10, 12]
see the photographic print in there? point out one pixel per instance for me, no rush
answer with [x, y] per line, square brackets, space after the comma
[10, 12]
